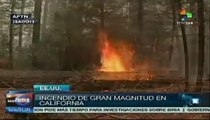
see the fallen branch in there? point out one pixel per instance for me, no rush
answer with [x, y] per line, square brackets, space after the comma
[111, 115]
[118, 117]
[7, 84]
[85, 115]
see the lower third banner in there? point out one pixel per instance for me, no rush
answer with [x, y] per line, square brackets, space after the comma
[26, 102]
[121, 109]
[122, 100]
[122, 103]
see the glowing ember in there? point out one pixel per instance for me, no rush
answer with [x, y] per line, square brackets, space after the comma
[112, 59]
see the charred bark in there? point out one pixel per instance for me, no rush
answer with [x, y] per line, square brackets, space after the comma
[201, 46]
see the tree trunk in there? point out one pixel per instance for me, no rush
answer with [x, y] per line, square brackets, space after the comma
[209, 51]
[102, 14]
[173, 31]
[201, 46]
[2, 40]
[186, 56]
[140, 20]
[44, 20]
[11, 36]
[36, 32]
[21, 27]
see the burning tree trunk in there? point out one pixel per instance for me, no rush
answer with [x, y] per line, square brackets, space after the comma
[201, 48]
[186, 57]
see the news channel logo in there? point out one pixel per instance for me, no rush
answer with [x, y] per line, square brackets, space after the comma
[19, 101]
[186, 17]
[189, 100]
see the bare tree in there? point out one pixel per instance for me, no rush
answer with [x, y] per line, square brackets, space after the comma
[140, 19]
[201, 46]
[102, 14]
[173, 30]
[11, 35]
[21, 26]
[186, 56]
[36, 31]
[44, 19]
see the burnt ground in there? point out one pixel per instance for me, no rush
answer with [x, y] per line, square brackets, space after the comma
[86, 82]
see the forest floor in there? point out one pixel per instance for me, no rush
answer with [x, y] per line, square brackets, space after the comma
[85, 82]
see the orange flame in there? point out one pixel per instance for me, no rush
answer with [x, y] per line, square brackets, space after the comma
[113, 59]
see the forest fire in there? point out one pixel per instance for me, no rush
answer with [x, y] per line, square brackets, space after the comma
[117, 61]
[111, 61]
[116, 58]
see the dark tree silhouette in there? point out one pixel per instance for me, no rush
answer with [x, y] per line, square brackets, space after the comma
[21, 26]
[44, 19]
[140, 19]
[186, 56]
[102, 14]
[36, 31]
[173, 30]
[201, 46]
[11, 36]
